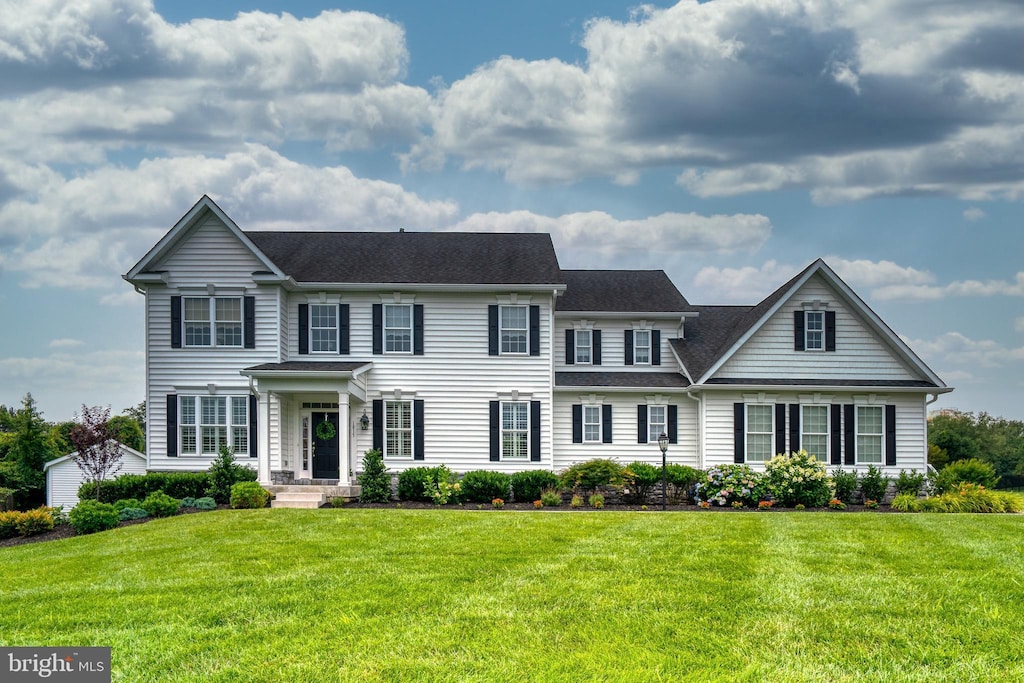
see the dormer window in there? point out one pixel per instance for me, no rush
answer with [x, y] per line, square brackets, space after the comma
[814, 331]
[641, 347]
[583, 347]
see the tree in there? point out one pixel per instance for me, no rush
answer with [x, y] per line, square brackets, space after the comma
[137, 413]
[963, 436]
[60, 437]
[97, 452]
[28, 452]
[126, 430]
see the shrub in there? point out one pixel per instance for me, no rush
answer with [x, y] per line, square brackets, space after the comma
[764, 505]
[481, 486]
[873, 485]
[32, 522]
[127, 503]
[799, 506]
[159, 504]
[641, 478]
[682, 481]
[593, 473]
[905, 502]
[224, 473]
[188, 502]
[375, 482]
[727, 484]
[138, 486]
[248, 494]
[596, 500]
[89, 517]
[576, 502]
[845, 484]
[909, 482]
[206, 503]
[498, 503]
[337, 502]
[798, 477]
[550, 498]
[965, 498]
[445, 488]
[972, 471]
[538, 504]
[418, 483]
[837, 504]
[132, 513]
[529, 484]
[737, 504]
[9, 523]
[871, 504]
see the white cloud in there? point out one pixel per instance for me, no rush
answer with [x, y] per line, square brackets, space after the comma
[973, 214]
[973, 288]
[746, 285]
[1018, 324]
[956, 349]
[66, 343]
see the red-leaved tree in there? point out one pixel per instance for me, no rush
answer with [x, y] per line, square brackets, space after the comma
[97, 453]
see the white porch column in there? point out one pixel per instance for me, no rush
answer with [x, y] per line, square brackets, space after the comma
[263, 427]
[344, 440]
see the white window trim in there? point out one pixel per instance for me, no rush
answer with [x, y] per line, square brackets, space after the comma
[212, 321]
[856, 435]
[525, 431]
[501, 329]
[589, 346]
[807, 330]
[411, 429]
[827, 455]
[333, 351]
[664, 429]
[198, 424]
[385, 328]
[648, 345]
[747, 432]
[600, 423]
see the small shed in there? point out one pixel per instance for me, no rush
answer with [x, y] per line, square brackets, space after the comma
[63, 476]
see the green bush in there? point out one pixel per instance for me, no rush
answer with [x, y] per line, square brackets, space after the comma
[845, 484]
[873, 485]
[966, 497]
[248, 494]
[132, 513]
[529, 484]
[481, 486]
[32, 522]
[89, 517]
[445, 487]
[127, 503]
[593, 473]
[9, 523]
[159, 504]
[550, 498]
[224, 473]
[798, 477]
[905, 502]
[138, 486]
[188, 502]
[640, 479]
[971, 471]
[417, 483]
[375, 482]
[206, 503]
[595, 500]
[682, 481]
[731, 484]
[910, 483]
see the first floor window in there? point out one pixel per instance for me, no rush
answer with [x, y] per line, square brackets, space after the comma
[514, 328]
[814, 431]
[398, 429]
[583, 346]
[592, 424]
[760, 432]
[656, 423]
[814, 331]
[205, 425]
[869, 434]
[323, 328]
[641, 347]
[398, 328]
[515, 430]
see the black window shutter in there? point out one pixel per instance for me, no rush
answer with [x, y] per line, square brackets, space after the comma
[780, 427]
[655, 347]
[570, 347]
[890, 435]
[535, 330]
[343, 329]
[495, 413]
[577, 423]
[606, 423]
[535, 431]
[595, 349]
[303, 328]
[830, 330]
[849, 432]
[172, 425]
[739, 432]
[175, 322]
[417, 330]
[798, 330]
[419, 451]
[673, 424]
[629, 348]
[378, 329]
[492, 331]
[378, 425]
[641, 423]
[254, 432]
[794, 428]
[837, 434]
[249, 326]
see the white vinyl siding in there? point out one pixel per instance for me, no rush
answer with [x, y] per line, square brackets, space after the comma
[323, 328]
[515, 430]
[514, 328]
[583, 347]
[398, 429]
[613, 351]
[397, 328]
[760, 432]
[870, 435]
[814, 434]
[592, 424]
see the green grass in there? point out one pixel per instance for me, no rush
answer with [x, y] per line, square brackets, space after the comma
[389, 595]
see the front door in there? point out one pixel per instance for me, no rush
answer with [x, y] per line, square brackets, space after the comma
[325, 445]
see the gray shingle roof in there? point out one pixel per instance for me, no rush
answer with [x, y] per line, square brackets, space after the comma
[667, 380]
[307, 366]
[620, 290]
[412, 257]
[909, 383]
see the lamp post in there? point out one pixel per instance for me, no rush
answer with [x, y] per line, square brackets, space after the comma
[663, 445]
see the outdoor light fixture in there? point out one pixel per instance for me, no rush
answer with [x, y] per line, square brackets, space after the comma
[663, 445]
[364, 421]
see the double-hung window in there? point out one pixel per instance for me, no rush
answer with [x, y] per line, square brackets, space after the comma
[323, 328]
[584, 345]
[642, 347]
[205, 426]
[814, 331]
[212, 321]
[592, 424]
[657, 424]
[870, 435]
[760, 432]
[398, 328]
[514, 327]
[814, 431]
[398, 429]
[515, 430]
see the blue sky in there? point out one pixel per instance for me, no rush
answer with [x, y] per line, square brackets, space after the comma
[730, 142]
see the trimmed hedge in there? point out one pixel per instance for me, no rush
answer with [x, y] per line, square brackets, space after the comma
[527, 486]
[483, 486]
[138, 486]
[249, 494]
[159, 504]
[89, 517]
[28, 523]
[413, 483]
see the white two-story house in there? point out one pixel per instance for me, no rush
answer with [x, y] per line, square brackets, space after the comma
[303, 350]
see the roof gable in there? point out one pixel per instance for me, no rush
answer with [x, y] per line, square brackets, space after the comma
[626, 291]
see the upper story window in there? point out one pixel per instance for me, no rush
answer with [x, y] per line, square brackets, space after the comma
[760, 432]
[323, 328]
[584, 347]
[398, 328]
[641, 347]
[814, 331]
[514, 328]
[212, 321]
[870, 435]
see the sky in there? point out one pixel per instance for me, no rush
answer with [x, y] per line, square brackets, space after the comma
[729, 142]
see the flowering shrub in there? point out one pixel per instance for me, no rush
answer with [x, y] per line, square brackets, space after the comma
[726, 484]
[797, 477]
[704, 504]
[498, 503]
[737, 504]
[445, 488]
[837, 504]
[871, 504]
[538, 504]
[764, 505]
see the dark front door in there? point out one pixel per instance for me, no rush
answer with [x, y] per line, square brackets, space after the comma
[325, 451]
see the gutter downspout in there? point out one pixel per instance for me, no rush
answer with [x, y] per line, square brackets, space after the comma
[700, 427]
[929, 469]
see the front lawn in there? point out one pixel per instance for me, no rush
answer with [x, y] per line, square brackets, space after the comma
[339, 595]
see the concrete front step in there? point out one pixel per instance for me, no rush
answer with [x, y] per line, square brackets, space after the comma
[298, 499]
[309, 495]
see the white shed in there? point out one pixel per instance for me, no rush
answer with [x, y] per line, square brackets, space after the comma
[63, 477]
